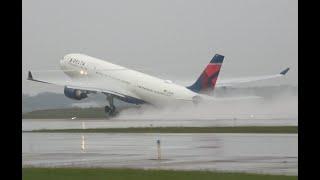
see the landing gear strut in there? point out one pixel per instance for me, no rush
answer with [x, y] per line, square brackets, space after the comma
[111, 109]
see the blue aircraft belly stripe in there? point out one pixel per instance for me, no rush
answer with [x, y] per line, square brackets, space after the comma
[128, 99]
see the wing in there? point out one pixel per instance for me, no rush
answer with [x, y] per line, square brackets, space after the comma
[92, 85]
[230, 82]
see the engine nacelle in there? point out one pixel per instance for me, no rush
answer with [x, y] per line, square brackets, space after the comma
[196, 100]
[75, 93]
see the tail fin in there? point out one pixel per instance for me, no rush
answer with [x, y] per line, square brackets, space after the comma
[207, 80]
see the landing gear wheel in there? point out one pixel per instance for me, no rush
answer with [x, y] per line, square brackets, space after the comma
[111, 109]
[107, 109]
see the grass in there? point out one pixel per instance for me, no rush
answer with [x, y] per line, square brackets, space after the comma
[239, 129]
[137, 174]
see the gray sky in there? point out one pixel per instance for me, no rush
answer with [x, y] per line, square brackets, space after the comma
[171, 39]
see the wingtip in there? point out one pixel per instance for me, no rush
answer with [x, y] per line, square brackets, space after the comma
[30, 75]
[284, 72]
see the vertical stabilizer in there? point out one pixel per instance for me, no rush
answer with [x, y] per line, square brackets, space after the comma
[208, 78]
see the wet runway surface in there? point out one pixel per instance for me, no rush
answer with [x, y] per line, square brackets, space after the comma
[32, 124]
[257, 153]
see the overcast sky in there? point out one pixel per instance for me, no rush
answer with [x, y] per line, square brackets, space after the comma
[171, 39]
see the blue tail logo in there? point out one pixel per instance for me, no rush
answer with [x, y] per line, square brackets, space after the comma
[208, 78]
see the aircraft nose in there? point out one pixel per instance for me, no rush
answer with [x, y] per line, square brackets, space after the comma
[63, 61]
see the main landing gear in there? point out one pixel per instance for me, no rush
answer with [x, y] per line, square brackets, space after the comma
[111, 109]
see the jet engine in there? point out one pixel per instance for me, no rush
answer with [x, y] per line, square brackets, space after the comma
[196, 100]
[76, 94]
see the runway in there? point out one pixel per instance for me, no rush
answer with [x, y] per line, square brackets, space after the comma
[33, 124]
[257, 153]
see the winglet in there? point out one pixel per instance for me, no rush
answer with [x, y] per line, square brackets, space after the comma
[284, 72]
[30, 76]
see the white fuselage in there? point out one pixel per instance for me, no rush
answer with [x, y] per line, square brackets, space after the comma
[148, 88]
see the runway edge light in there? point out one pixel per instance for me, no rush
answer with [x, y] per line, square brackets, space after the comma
[159, 149]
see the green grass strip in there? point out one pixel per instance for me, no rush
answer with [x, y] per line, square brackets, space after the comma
[137, 174]
[239, 129]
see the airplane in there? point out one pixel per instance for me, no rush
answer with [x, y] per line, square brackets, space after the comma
[91, 75]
